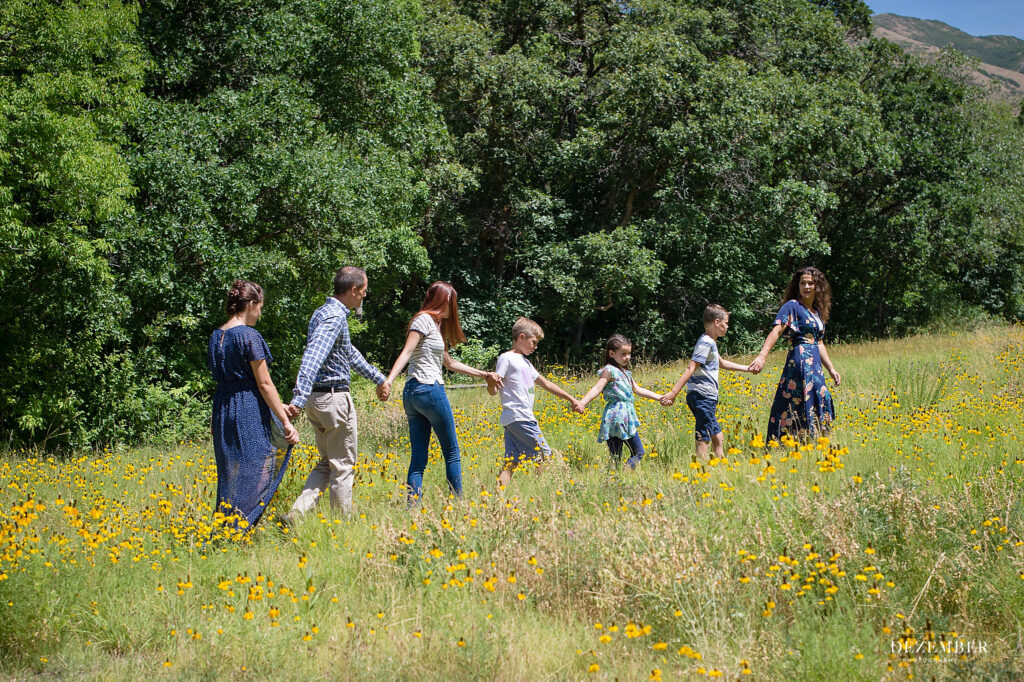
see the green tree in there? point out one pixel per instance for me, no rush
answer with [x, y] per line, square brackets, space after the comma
[717, 130]
[596, 272]
[854, 15]
[268, 141]
[278, 142]
[597, 164]
[70, 77]
[903, 230]
[993, 267]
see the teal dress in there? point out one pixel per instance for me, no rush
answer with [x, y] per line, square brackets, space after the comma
[619, 419]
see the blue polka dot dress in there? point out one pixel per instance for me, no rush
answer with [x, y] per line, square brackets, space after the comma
[242, 421]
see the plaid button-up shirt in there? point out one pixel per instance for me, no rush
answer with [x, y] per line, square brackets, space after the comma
[330, 355]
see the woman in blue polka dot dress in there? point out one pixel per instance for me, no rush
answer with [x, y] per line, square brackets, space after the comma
[243, 406]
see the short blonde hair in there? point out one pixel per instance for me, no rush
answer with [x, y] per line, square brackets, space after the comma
[525, 325]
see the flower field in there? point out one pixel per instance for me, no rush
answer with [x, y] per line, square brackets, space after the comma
[892, 550]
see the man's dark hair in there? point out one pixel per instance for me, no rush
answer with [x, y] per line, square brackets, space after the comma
[348, 277]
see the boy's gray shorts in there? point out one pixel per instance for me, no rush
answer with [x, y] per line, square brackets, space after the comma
[524, 440]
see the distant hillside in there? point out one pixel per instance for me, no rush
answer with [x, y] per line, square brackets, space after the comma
[1002, 57]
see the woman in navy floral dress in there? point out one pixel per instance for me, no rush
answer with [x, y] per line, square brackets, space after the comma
[803, 403]
[242, 408]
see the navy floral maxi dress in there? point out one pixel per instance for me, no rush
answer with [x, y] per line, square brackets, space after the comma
[243, 426]
[803, 403]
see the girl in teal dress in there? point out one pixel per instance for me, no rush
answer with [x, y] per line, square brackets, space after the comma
[803, 404]
[619, 423]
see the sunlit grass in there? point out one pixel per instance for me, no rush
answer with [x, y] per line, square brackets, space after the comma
[803, 561]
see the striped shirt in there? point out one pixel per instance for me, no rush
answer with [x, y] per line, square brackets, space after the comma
[428, 357]
[704, 379]
[330, 355]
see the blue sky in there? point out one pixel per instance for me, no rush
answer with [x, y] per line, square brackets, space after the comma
[977, 17]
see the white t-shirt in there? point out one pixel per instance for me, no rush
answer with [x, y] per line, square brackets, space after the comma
[518, 377]
[428, 356]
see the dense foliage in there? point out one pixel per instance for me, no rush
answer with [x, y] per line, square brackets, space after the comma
[70, 78]
[597, 164]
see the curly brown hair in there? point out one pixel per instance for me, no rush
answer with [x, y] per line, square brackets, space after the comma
[822, 291]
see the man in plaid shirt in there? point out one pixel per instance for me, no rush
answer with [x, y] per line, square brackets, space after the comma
[322, 387]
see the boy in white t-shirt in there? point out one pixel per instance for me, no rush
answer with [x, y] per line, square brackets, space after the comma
[523, 438]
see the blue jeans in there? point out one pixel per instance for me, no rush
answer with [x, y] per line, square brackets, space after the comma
[427, 407]
[636, 449]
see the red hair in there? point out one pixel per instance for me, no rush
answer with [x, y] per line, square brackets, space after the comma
[441, 298]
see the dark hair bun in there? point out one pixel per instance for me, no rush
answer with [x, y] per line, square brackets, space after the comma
[242, 293]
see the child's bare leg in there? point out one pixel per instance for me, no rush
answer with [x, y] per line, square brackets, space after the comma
[542, 460]
[718, 442]
[505, 475]
[702, 449]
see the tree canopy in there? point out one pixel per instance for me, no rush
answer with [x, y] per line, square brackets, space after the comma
[600, 165]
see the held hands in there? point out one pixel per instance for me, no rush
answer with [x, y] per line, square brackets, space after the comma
[668, 399]
[384, 391]
[493, 380]
[576, 406]
[291, 434]
[757, 365]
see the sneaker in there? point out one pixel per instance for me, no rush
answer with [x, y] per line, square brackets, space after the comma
[285, 521]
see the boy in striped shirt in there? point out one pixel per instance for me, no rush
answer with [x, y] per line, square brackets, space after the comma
[701, 382]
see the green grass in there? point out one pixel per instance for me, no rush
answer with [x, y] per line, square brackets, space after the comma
[681, 558]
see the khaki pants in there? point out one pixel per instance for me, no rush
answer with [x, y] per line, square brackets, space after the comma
[333, 415]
